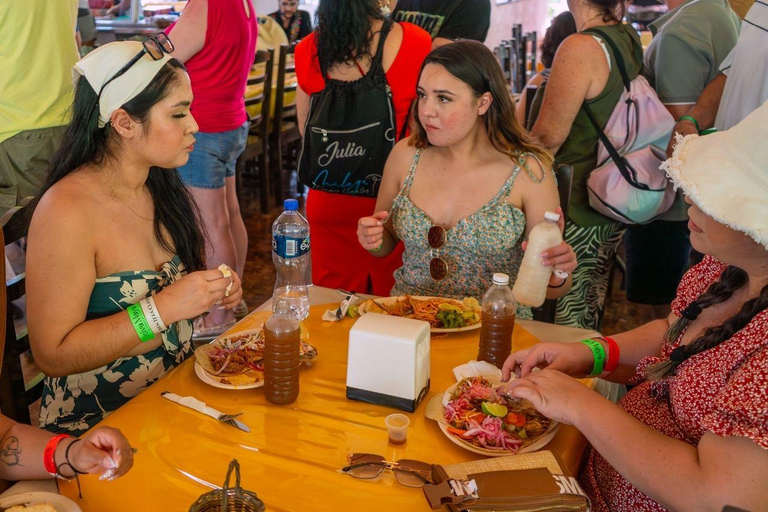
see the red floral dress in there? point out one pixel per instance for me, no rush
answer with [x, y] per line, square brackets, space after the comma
[723, 390]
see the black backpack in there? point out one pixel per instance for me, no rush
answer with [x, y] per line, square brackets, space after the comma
[350, 131]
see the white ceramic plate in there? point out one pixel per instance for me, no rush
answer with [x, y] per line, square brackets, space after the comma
[59, 502]
[203, 376]
[435, 410]
[386, 301]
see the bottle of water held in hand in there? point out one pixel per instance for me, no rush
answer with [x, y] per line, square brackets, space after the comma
[499, 311]
[533, 278]
[290, 254]
[282, 341]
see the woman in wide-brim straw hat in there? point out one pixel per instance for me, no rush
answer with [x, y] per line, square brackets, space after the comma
[693, 433]
[116, 257]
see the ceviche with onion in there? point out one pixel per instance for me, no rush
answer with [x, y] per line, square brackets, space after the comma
[479, 414]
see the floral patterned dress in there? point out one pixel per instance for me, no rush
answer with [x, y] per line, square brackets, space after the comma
[487, 241]
[723, 390]
[75, 403]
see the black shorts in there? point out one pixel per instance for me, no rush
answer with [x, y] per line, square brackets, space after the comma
[658, 254]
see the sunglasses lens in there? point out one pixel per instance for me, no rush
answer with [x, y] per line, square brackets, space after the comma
[413, 473]
[165, 43]
[153, 49]
[436, 237]
[366, 471]
[438, 269]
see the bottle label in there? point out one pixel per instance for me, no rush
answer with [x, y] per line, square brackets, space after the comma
[289, 247]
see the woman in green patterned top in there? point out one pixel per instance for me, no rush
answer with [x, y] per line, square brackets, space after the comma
[467, 186]
[584, 71]
[112, 227]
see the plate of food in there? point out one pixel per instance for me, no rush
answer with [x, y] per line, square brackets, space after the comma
[476, 416]
[443, 315]
[38, 502]
[236, 361]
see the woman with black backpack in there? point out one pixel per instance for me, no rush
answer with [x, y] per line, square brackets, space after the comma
[357, 77]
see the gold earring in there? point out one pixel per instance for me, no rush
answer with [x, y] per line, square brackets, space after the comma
[384, 8]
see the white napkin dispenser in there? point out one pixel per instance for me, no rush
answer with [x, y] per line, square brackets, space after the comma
[388, 361]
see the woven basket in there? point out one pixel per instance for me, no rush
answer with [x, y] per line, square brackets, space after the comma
[229, 499]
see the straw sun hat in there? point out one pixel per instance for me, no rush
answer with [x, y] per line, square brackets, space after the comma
[726, 174]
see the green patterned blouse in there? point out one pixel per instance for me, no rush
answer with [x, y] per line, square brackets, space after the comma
[75, 403]
[487, 241]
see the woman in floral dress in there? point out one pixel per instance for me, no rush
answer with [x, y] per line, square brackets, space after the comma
[693, 433]
[113, 226]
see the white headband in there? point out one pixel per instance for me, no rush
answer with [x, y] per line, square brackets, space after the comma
[104, 62]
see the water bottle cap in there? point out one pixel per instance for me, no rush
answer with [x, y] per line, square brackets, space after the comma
[500, 279]
[291, 205]
[554, 217]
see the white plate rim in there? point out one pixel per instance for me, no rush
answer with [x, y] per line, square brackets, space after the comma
[59, 502]
[540, 443]
[436, 330]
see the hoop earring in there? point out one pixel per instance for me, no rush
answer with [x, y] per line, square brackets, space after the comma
[384, 8]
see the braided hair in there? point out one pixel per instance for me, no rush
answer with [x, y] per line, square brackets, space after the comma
[731, 280]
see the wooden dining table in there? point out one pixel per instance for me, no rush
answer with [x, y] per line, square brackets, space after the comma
[293, 453]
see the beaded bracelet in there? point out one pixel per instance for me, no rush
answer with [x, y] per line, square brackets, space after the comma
[139, 321]
[598, 353]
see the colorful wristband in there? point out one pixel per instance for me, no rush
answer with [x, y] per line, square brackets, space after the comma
[139, 321]
[152, 315]
[50, 451]
[691, 119]
[598, 353]
[613, 355]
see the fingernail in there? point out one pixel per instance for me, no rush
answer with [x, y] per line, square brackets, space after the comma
[110, 463]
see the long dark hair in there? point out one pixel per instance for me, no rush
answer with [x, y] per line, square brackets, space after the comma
[343, 30]
[562, 26]
[731, 280]
[85, 143]
[474, 64]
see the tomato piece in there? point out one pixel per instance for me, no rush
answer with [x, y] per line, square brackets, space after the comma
[456, 431]
[515, 419]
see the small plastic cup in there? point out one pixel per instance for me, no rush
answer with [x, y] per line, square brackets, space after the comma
[397, 427]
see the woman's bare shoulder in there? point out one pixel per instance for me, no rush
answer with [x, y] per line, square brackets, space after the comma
[578, 49]
[70, 200]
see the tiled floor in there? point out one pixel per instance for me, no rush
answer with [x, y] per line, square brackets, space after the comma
[259, 278]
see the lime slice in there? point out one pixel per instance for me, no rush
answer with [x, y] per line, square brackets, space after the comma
[496, 410]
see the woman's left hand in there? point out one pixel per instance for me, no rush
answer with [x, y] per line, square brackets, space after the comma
[561, 257]
[554, 394]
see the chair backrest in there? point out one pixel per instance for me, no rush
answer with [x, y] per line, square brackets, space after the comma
[17, 390]
[530, 94]
[258, 106]
[283, 68]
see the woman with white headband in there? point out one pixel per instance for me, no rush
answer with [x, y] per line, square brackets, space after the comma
[115, 251]
[693, 432]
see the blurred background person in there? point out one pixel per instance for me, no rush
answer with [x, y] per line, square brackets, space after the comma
[296, 23]
[216, 40]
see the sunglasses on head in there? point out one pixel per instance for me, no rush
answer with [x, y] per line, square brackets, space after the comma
[155, 46]
[436, 238]
[366, 466]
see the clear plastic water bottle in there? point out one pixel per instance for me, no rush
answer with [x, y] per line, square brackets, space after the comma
[499, 311]
[290, 254]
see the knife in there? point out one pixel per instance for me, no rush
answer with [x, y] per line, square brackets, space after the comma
[197, 405]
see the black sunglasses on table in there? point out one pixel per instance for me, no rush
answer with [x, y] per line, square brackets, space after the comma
[154, 46]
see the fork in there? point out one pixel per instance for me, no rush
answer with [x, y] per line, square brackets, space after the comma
[342, 291]
[226, 418]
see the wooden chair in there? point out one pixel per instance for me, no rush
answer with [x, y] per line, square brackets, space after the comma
[17, 390]
[546, 313]
[256, 154]
[285, 125]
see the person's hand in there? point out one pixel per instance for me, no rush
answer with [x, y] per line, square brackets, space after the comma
[575, 359]
[562, 257]
[370, 231]
[554, 394]
[683, 127]
[194, 294]
[235, 292]
[103, 450]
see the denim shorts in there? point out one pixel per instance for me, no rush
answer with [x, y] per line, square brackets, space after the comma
[214, 158]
